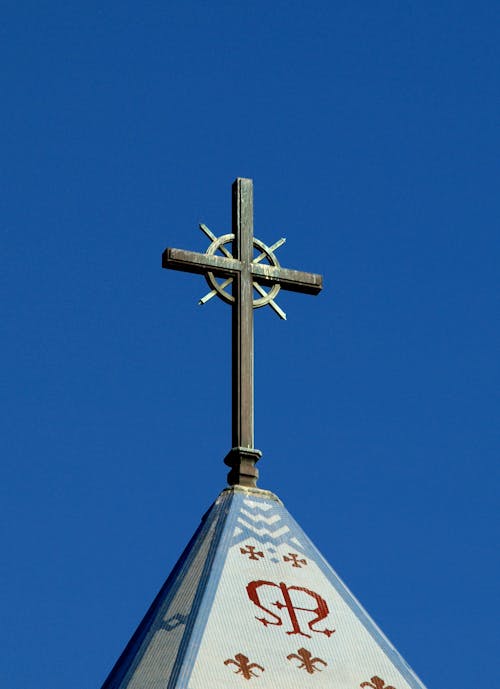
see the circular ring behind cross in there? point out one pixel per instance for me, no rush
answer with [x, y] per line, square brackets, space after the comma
[226, 296]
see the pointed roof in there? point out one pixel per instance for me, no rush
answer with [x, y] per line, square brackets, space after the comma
[251, 598]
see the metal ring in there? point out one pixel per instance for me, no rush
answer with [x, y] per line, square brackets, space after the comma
[226, 296]
[210, 277]
[273, 292]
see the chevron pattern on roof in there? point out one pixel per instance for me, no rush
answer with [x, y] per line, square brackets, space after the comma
[252, 600]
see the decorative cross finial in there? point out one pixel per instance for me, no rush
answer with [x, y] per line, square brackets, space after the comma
[245, 271]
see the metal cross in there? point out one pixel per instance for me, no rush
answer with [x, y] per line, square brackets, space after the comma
[246, 272]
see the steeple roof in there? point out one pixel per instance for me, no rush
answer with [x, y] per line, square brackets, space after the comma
[252, 600]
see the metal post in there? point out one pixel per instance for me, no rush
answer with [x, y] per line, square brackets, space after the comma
[242, 456]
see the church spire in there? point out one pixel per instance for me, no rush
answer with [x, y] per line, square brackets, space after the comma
[252, 599]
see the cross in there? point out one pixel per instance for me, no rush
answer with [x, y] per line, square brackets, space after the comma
[246, 273]
[295, 560]
[252, 552]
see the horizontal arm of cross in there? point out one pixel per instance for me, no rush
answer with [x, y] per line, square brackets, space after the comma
[194, 262]
[291, 280]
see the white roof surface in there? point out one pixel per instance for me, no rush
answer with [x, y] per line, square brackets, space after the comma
[253, 601]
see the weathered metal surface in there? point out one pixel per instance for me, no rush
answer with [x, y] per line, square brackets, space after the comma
[244, 273]
[193, 262]
[243, 468]
[291, 280]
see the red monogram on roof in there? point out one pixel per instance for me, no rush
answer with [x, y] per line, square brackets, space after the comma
[293, 598]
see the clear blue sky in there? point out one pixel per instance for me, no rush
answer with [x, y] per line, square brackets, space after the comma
[372, 133]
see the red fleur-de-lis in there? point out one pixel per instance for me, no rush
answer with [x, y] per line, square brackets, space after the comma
[245, 668]
[307, 662]
[376, 683]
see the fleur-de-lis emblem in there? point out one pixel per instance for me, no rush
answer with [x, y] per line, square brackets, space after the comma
[307, 662]
[245, 668]
[376, 683]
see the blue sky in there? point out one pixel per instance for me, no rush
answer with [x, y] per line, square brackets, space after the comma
[372, 133]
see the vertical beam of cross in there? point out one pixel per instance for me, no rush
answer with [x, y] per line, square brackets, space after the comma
[242, 317]
[242, 456]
